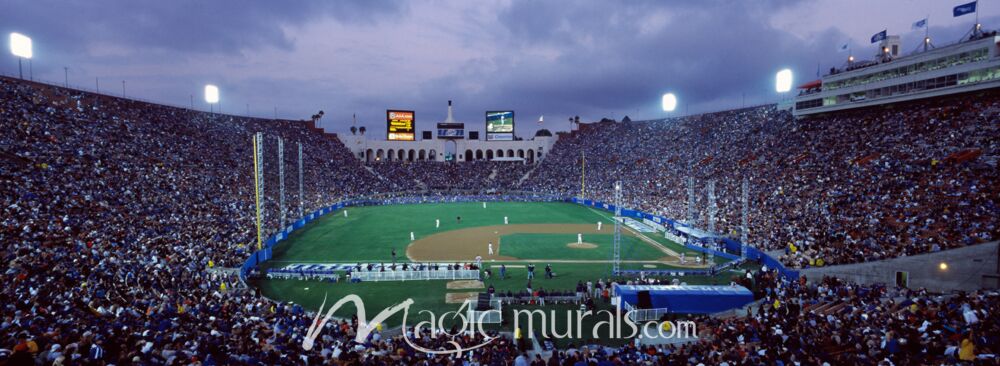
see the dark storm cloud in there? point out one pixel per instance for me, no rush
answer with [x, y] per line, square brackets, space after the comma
[187, 26]
[589, 58]
[612, 60]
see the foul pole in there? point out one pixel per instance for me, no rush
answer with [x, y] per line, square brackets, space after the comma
[256, 187]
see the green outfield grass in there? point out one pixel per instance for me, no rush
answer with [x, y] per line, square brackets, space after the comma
[553, 246]
[368, 234]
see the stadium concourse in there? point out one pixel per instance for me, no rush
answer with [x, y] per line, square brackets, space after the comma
[121, 218]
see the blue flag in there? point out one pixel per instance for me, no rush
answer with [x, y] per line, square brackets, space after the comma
[880, 36]
[920, 23]
[964, 9]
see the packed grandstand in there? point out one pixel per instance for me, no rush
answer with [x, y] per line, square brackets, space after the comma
[121, 218]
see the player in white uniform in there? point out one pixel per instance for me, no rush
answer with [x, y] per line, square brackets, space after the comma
[490, 247]
[579, 238]
[412, 238]
[505, 220]
[437, 223]
[599, 226]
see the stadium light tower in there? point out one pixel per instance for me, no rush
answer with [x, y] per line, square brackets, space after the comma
[669, 102]
[211, 96]
[783, 81]
[20, 46]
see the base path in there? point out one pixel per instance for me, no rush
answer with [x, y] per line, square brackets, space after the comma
[466, 244]
[641, 236]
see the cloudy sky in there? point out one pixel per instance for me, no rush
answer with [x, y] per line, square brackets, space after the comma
[553, 58]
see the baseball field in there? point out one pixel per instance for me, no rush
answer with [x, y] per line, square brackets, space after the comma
[533, 233]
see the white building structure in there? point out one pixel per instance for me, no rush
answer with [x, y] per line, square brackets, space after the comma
[963, 67]
[529, 151]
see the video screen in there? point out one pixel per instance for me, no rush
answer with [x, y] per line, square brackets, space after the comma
[451, 130]
[399, 125]
[499, 125]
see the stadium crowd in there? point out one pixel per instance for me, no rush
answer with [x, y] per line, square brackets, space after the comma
[121, 221]
[849, 187]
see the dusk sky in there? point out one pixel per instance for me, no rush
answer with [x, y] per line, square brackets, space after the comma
[554, 58]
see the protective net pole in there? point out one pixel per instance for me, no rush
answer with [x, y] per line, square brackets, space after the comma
[744, 231]
[691, 201]
[617, 241]
[712, 208]
[301, 201]
[282, 213]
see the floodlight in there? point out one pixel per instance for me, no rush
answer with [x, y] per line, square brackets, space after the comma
[783, 81]
[20, 45]
[211, 94]
[669, 102]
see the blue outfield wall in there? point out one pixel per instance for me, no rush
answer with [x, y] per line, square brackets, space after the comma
[730, 245]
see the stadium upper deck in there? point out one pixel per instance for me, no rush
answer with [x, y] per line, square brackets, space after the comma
[958, 68]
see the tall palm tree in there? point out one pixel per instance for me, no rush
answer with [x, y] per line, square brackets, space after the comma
[354, 130]
[362, 130]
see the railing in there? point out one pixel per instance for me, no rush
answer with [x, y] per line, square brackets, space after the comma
[643, 315]
[492, 316]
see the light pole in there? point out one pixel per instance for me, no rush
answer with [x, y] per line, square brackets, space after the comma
[211, 96]
[783, 81]
[20, 46]
[783, 84]
[669, 102]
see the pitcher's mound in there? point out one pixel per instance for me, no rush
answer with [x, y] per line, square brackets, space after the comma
[464, 284]
[584, 245]
[459, 297]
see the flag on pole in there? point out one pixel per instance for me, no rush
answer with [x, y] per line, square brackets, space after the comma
[541, 119]
[880, 36]
[844, 47]
[964, 9]
[920, 24]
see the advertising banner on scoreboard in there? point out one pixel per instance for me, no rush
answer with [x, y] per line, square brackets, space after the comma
[499, 125]
[451, 130]
[399, 125]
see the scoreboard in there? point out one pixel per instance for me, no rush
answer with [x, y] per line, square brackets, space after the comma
[499, 125]
[399, 125]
